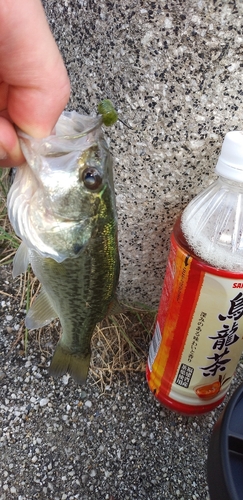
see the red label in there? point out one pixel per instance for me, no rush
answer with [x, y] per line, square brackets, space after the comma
[197, 341]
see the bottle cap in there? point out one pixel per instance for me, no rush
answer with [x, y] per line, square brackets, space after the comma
[230, 162]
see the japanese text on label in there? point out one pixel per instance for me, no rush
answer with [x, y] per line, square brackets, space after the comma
[225, 337]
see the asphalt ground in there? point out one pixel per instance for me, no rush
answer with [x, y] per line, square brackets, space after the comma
[111, 442]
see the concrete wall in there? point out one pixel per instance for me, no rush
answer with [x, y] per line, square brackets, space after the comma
[173, 69]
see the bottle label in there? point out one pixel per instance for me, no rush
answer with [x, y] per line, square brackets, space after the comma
[198, 337]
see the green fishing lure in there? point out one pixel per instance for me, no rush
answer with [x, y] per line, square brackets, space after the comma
[108, 112]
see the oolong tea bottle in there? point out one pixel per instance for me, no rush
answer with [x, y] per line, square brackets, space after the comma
[198, 337]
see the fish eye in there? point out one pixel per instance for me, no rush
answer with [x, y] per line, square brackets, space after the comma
[91, 178]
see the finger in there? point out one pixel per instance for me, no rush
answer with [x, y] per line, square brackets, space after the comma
[10, 152]
[36, 111]
[31, 64]
[3, 95]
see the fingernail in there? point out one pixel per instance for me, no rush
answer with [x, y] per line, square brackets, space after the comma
[3, 154]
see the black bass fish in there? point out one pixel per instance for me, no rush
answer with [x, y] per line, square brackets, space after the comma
[62, 206]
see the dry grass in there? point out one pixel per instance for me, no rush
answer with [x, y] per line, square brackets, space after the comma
[119, 344]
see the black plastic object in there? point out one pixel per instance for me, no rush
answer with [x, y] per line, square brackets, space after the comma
[225, 455]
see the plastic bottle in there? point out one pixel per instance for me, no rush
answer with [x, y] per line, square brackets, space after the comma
[198, 337]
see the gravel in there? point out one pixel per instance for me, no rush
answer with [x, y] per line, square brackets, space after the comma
[59, 441]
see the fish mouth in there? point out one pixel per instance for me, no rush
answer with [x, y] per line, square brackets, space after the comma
[77, 136]
[85, 132]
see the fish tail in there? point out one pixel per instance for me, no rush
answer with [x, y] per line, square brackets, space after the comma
[64, 361]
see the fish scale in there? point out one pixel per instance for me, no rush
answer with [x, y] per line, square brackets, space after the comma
[81, 290]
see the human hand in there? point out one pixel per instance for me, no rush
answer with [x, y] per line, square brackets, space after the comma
[34, 85]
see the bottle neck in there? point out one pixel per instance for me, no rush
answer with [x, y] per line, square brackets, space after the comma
[212, 225]
[232, 185]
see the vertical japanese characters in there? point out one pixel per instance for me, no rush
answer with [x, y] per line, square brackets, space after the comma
[225, 337]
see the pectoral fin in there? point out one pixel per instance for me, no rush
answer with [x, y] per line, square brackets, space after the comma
[64, 361]
[41, 312]
[21, 260]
